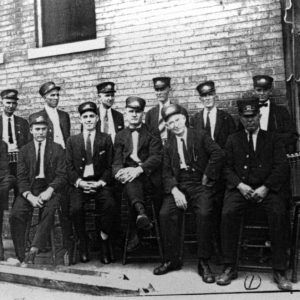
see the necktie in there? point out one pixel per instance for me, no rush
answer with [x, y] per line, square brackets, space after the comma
[89, 154]
[251, 145]
[207, 126]
[38, 161]
[135, 141]
[162, 127]
[185, 153]
[10, 136]
[105, 123]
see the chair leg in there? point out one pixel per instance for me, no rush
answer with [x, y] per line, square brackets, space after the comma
[53, 250]
[239, 245]
[295, 244]
[157, 232]
[181, 251]
[126, 243]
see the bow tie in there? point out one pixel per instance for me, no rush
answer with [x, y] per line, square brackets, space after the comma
[263, 104]
[135, 129]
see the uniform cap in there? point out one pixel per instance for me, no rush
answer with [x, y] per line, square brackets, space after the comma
[48, 87]
[87, 106]
[37, 119]
[170, 110]
[263, 81]
[205, 88]
[136, 103]
[248, 106]
[161, 83]
[106, 87]
[9, 94]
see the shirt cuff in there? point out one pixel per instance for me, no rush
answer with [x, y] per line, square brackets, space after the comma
[77, 182]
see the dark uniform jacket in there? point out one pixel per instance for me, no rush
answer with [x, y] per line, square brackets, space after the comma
[102, 157]
[205, 157]
[269, 166]
[225, 126]
[3, 160]
[152, 116]
[54, 166]
[117, 118]
[149, 152]
[64, 122]
[22, 131]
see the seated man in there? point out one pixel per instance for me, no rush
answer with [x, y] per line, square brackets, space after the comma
[256, 170]
[89, 160]
[191, 165]
[137, 159]
[41, 176]
[6, 183]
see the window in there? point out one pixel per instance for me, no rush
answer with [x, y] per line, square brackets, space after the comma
[65, 21]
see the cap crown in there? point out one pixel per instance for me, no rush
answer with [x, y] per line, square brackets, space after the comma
[206, 87]
[47, 87]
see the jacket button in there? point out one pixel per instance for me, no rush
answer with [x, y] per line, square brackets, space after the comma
[247, 156]
[245, 167]
[83, 159]
[80, 168]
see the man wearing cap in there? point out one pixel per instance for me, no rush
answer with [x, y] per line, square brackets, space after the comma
[14, 130]
[191, 165]
[274, 118]
[7, 181]
[137, 159]
[219, 125]
[110, 120]
[41, 177]
[256, 170]
[154, 120]
[58, 131]
[89, 160]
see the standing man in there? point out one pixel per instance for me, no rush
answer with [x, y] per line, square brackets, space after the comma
[41, 177]
[137, 160]
[110, 120]
[256, 170]
[6, 183]
[58, 120]
[219, 125]
[191, 165]
[14, 130]
[154, 119]
[274, 118]
[89, 160]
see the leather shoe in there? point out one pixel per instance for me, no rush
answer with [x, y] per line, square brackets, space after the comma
[84, 257]
[1, 250]
[282, 282]
[30, 257]
[205, 272]
[105, 255]
[229, 273]
[167, 267]
[143, 222]
[133, 243]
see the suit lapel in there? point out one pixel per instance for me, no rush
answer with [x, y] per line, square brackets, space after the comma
[1, 127]
[218, 126]
[32, 157]
[47, 154]
[142, 137]
[174, 152]
[201, 119]
[190, 143]
[244, 140]
[97, 142]
[272, 118]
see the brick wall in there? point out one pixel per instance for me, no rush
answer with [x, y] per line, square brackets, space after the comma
[227, 41]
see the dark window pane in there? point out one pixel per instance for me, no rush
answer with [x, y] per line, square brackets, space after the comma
[65, 21]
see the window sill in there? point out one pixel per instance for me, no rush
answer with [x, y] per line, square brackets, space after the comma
[69, 48]
[1, 58]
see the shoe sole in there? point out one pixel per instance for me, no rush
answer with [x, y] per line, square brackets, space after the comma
[235, 276]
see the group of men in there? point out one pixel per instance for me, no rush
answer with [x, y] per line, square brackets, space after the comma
[204, 162]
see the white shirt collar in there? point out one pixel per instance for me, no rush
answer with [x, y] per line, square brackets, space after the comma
[4, 116]
[50, 109]
[164, 105]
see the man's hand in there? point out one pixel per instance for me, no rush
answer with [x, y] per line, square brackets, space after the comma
[245, 190]
[35, 201]
[87, 186]
[47, 194]
[205, 181]
[133, 173]
[97, 184]
[260, 193]
[179, 198]
[121, 175]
